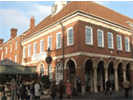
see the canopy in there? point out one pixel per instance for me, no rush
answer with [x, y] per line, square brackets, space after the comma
[10, 69]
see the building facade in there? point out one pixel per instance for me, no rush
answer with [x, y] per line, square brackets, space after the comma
[88, 42]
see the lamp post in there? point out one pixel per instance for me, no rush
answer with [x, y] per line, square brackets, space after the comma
[48, 58]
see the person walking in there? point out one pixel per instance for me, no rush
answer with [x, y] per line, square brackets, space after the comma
[23, 91]
[32, 92]
[79, 89]
[68, 89]
[108, 87]
[37, 90]
[14, 88]
[126, 84]
[61, 89]
[53, 90]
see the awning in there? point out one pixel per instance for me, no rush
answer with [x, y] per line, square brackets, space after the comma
[9, 69]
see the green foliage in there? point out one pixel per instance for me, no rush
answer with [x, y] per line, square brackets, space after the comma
[3, 79]
[45, 80]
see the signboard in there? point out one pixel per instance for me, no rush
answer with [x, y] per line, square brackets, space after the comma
[39, 56]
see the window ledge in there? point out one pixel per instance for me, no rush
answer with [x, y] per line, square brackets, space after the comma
[111, 48]
[101, 47]
[70, 45]
[91, 45]
[127, 51]
[58, 48]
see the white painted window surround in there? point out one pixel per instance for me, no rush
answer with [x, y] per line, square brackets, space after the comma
[29, 50]
[49, 42]
[119, 42]
[35, 48]
[58, 40]
[127, 44]
[110, 40]
[70, 38]
[89, 35]
[100, 37]
[41, 45]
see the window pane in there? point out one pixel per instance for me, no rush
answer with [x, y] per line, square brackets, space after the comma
[70, 36]
[100, 38]
[88, 35]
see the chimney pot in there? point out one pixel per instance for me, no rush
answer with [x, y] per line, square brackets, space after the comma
[1, 41]
[32, 22]
[13, 32]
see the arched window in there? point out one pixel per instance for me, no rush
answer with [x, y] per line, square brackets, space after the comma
[59, 72]
[41, 69]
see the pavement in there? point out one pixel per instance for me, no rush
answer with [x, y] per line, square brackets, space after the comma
[99, 96]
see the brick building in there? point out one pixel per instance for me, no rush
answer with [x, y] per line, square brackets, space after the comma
[88, 41]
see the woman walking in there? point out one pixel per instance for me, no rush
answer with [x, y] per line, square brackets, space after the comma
[61, 89]
[68, 89]
[37, 91]
[53, 90]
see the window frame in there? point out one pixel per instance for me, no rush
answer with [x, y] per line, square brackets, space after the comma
[57, 41]
[102, 38]
[68, 44]
[89, 27]
[11, 48]
[29, 51]
[128, 44]
[41, 46]
[16, 45]
[6, 49]
[112, 41]
[24, 52]
[15, 60]
[35, 49]
[48, 43]
[120, 42]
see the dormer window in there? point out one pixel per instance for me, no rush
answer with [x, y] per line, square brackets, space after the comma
[130, 23]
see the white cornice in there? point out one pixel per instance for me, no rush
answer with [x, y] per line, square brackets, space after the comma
[92, 55]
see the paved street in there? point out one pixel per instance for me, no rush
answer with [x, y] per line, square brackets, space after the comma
[102, 96]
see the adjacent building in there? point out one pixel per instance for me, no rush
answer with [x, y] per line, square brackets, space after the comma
[88, 42]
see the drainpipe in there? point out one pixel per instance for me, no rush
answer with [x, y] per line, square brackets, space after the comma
[63, 30]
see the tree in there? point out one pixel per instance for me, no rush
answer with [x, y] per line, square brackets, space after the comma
[45, 80]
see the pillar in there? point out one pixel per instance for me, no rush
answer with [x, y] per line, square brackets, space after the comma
[82, 73]
[106, 75]
[101, 80]
[91, 89]
[116, 79]
[95, 79]
[124, 74]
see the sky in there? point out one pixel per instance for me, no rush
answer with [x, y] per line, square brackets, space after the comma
[17, 14]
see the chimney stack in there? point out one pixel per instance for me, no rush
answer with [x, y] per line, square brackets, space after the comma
[13, 32]
[1, 41]
[32, 22]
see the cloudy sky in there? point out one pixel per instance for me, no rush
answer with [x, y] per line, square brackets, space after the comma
[17, 14]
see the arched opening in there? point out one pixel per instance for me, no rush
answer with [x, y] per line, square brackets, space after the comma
[71, 72]
[89, 76]
[59, 72]
[101, 76]
[120, 75]
[111, 74]
[128, 71]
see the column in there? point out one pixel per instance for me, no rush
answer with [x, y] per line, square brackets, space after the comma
[82, 73]
[101, 80]
[91, 89]
[116, 80]
[124, 74]
[106, 75]
[95, 80]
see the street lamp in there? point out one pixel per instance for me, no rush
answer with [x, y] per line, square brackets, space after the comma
[48, 58]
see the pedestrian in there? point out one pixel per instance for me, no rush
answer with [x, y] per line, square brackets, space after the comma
[14, 88]
[37, 90]
[68, 89]
[53, 90]
[79, 88]
[126, 84]
[61, 89]
[32, 92]
[108, 87]
[23, 91]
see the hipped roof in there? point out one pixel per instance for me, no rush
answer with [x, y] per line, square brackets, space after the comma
[88, 7]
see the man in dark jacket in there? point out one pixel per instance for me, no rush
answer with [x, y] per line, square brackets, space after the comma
[32, 90]
[108, 87]
[79, 89]
[23, 91]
